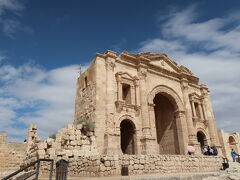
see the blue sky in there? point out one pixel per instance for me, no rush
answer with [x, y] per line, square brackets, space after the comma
[43, 42]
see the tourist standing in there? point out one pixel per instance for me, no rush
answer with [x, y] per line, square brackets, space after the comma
[205, 150]
[215, 151]
[233, 154]
[208, 150]
[190, 149]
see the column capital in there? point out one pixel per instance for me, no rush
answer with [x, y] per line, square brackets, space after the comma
[110, 64]
[151, 106]
[110, 53]
[184, 83]
[119, 77]
[136, 82]
[142, 72]
[179, 114]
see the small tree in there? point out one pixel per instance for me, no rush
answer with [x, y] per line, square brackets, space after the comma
[88, 125]
[53, 136]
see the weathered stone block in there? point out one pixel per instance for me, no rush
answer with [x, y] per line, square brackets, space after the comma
[60, 152]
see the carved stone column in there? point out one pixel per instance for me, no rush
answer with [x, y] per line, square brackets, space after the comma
[181, 131]
[111, 140]
[191, 134]
[110, 103]
[132, 95]
[137, 94]
[119, 87]
[210, 118]
[201, 112]
[152, 120]
[142, 72]
[193, 110]
[204, 111]
[148, 143]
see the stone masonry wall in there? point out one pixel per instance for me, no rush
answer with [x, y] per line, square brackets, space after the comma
[85, 104]
[141, 164]
[11, 156]
[70, 142]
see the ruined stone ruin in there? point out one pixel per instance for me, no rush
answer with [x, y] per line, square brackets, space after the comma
[136, 110]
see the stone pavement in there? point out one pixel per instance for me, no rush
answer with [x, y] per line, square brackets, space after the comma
[173, 176]
[232, 173]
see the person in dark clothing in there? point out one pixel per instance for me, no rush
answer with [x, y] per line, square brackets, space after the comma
[208, 151]
[215, 151]
[233, 154]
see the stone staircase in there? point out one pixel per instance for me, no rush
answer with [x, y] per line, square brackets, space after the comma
[231, 173]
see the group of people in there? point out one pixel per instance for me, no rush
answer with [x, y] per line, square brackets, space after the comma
[210, 151]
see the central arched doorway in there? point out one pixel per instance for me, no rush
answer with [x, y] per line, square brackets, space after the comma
[166, 130]
[128, 137]
[201, 139]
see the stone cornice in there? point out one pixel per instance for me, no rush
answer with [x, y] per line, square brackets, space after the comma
[143, 60]
[108, 53]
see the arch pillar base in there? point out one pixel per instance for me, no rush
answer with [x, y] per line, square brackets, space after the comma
[111, 144]
[148, 145]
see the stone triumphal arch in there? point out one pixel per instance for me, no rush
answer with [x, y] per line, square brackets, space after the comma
[145, 104]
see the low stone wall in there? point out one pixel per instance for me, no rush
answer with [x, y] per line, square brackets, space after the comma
[12, 156]
[141, 164]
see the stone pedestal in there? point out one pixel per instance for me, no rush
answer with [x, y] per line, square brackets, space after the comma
[148, 145]
[112, 144]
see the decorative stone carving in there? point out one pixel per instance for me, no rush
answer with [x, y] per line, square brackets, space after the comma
[198, 110]
[119, 105]
[142, 73]
[126, 78]
[110, 64]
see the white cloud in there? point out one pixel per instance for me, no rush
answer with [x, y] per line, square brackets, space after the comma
[12, 25]
[31, 94]
[12, 5]
[2, 58]
[210, 33]
[215, 60]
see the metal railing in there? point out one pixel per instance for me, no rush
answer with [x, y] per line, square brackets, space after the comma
[36, 172]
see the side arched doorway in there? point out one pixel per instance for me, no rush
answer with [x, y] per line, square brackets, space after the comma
[232, 143]
[128, 137]
[166, 129]
[201, 139]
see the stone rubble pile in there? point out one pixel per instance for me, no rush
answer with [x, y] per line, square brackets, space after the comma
[32, 141]
[70, 142]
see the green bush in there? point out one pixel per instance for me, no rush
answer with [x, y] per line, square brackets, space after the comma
[88, 125]
[53, 136]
